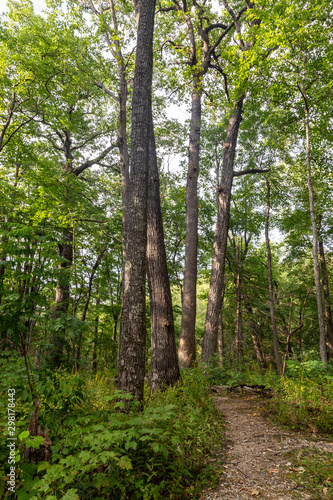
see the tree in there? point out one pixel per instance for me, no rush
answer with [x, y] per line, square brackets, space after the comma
[131, 369]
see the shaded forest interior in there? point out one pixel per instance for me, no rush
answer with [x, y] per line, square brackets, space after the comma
[165, 225]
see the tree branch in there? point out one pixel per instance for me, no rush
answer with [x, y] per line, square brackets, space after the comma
[250, 171]
[89, 163]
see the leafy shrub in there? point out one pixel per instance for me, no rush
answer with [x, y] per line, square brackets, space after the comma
[98, 452]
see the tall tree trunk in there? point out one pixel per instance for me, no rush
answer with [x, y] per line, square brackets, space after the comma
[221, 235]
[322, 336]
[327, 301]
[164, 362]
[133, 340]
[62, 298]
[270, 285]
[220, 339]
[186, 350]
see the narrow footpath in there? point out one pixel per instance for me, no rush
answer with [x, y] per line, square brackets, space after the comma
[257, 463]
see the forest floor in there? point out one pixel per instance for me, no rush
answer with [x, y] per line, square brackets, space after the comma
[259, 457]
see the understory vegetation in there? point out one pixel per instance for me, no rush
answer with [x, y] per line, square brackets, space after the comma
[164, 450]
[100, 452]
[166, 224]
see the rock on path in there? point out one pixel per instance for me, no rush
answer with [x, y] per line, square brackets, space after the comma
[256, 465]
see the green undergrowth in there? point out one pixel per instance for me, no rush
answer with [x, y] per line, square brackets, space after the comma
[302, 398]
[99, 452]
[313, 472]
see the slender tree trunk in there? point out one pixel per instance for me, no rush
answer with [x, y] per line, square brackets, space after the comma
[239, 318]
[270, 286]
[95, 343]
[221, 235]
[327, 301]
[164, 361]
[253, 327]
[62, 297]
[133, 341]
[186, 350]
[322, 336]
[220, 340]
[86, 306]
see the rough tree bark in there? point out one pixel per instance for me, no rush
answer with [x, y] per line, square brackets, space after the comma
[186, 350]
[133, 341]
[270, 285]
[164, 361]
[221, 235]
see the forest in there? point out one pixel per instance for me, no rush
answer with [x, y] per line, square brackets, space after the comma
[166, 226]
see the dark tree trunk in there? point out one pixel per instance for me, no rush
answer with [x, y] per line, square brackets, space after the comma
[221, 236]
[270, 286]
[133, 341]
[164, 362]
[327, 301]
[60, 309]
[186, 351]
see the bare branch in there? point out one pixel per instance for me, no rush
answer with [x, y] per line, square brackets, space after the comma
[89, 163]
[107, 91]
[250, 171]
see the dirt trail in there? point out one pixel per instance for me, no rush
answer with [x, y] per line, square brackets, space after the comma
[256, 465]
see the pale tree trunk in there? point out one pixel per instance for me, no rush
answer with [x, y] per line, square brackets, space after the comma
[270, 285]
[164, 362]
[133, 340]
[221, 236]
[322, 336]
[186, 350]
[327, 301]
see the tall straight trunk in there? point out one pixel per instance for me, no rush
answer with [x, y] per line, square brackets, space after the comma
[221, 235]
[62, 297]
[220, 339]
[270, 285]
[133, 340]
[322, 336]
[164, 362]
[239, 317]
[186, 350]
[327, 301]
